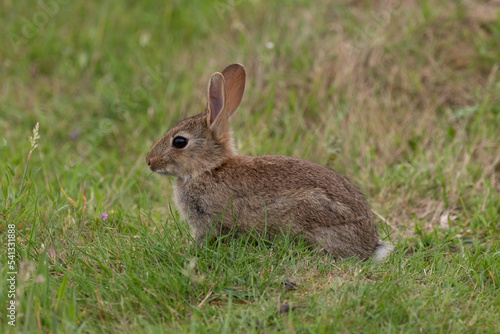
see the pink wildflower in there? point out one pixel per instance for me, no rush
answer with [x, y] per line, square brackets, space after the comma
[104, 216]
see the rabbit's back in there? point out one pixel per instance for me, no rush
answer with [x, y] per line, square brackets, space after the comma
[279, 193]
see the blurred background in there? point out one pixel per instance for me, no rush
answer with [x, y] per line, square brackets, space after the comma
[402, 97]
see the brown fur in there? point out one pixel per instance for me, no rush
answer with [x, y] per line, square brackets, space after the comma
[216, 189]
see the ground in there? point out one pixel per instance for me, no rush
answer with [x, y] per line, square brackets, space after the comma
[401, 97]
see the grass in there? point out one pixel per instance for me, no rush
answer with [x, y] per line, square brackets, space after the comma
[403, 99]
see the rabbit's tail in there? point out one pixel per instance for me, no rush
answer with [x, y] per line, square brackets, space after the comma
[383, 250]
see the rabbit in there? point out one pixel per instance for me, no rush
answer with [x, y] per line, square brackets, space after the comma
[217, 189]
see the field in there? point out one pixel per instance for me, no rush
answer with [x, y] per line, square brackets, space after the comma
[401, 97]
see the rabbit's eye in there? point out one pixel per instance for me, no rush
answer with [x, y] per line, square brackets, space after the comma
[179, 142]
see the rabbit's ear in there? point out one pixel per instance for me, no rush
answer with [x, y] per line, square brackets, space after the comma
[234, 76]
[216, 97]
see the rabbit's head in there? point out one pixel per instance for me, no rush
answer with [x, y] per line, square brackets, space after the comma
[204, 141]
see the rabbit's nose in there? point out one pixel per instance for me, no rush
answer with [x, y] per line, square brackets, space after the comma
[152, 162]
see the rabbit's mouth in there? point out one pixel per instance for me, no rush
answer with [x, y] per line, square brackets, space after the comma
[163, 171]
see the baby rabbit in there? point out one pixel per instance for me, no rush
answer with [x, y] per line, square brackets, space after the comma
[217, 189]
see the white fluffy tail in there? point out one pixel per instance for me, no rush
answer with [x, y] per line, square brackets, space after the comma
[384, 249]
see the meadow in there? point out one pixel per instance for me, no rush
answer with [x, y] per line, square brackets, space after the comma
[401, 97]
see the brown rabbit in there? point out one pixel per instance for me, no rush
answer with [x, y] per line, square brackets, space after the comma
[217, 189]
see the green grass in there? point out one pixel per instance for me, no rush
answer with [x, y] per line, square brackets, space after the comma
[404, 100]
